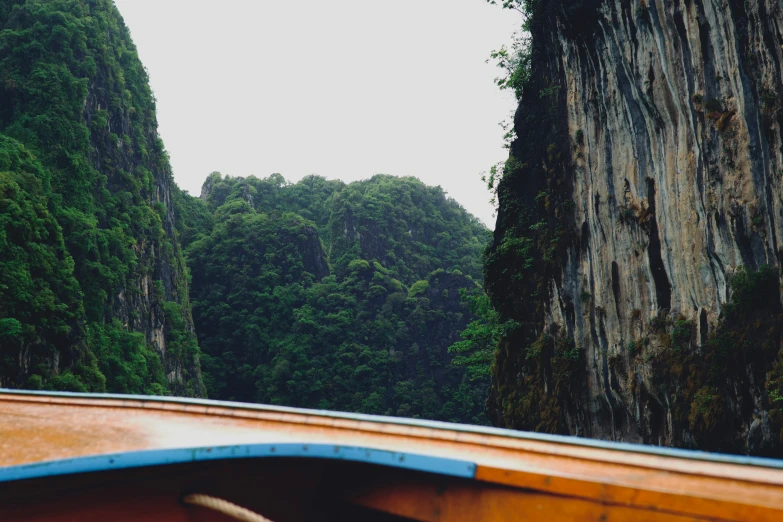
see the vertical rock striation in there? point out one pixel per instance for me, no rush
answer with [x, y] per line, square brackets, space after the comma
[633, 234]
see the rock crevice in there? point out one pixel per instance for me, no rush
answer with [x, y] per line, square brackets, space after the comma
[663, 181]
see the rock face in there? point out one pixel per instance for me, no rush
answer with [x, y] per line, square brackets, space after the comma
[160, 274]
[656, 184]
[313, 256]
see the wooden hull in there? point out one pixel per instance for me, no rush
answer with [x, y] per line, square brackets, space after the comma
[83, 457]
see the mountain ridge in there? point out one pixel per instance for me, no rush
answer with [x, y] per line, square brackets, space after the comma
[354, 309]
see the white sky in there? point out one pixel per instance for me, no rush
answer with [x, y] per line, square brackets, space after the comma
[341, 88]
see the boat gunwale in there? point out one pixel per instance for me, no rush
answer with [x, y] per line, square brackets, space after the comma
[172, 456]
[223, 408]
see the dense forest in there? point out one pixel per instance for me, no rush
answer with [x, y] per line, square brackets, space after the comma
[633, 284]
[335, 296]
[93, 294]
[317, 293]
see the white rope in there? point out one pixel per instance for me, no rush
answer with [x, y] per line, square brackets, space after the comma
[223, 506]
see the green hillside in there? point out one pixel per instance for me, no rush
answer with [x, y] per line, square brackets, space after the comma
[334, 296]
[319, 293]
[92, 289]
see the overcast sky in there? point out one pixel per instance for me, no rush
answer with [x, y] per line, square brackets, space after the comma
[341, 88]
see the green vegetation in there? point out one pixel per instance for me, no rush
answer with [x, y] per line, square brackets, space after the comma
[345, 297]
[747, 339]
[681, 334]
[316, 294]
[82, 223]
[551, 362]
[481, 337]
[515, 64]
[40, 300]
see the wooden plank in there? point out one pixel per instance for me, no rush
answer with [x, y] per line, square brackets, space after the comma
[671, 492]
[36, 428]
[291, 419]
[427, 502]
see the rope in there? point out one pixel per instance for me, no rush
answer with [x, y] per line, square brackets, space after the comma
[223, 506]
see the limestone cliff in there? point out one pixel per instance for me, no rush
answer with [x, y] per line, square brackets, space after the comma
[126, 149]
[639, 210]
[75, 100]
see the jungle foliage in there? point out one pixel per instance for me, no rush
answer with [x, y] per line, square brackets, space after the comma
[326, 295]
[319, 293]
[81, 173]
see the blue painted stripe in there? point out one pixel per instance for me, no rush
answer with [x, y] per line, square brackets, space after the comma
[436, 425]
[137, 459]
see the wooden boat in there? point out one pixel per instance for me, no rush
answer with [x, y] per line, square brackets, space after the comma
[66, 456]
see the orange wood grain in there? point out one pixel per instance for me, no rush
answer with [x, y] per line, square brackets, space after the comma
[472, 503]
[39, 428]
[717, 501]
